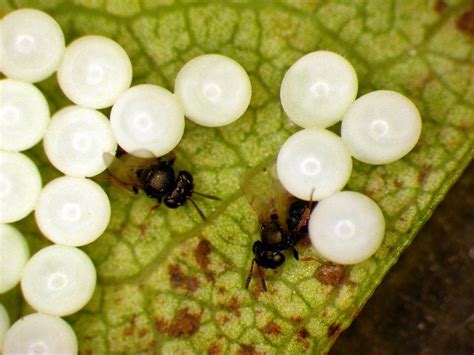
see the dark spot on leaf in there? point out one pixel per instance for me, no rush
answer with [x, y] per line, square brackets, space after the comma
[272, 329]
[331, 274]
[221, 290]
[334, 330]
[179, 279]
[214, 349]
[130, 329]
[397, 183]
[201, 253]
[466, 22]
[297, 319]
[184, 324]
[439, 6]
[246, 350]
[425, 170]
[233, 306]
[142, 332]
[302, 334]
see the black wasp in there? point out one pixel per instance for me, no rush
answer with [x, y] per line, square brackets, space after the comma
[156, 177]
[283, 222]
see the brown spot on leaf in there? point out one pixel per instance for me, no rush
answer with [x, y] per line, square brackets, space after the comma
[221, 290]
[439, 6]
[184, 324]
[201, 253]
[272, 329]
[130, 329]
[302, 334]
[214, 349]
[466, 22]
[397, 183]
[142, 332]
[425, 170]
[331, 274]
[334, 330]
[246, 349]
[297, 319]
[233, 306]
[179, 279]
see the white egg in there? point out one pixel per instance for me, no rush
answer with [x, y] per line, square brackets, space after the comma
[214, 90]
[347, 227]
[58, 280]
[318, 89]
[147, 118]
[76, 140]
[313, 160]
[14, 254]
[72, 211]
[32, 45]
[40, 334]
[20, 186]
[4, 324]
[95, 71]
[24, 115]
[381, 127]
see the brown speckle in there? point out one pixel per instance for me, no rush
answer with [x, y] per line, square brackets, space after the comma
[142, 332]
[246, 350]
[297, 319]
[184, 324]
[466, 22]
[425, 170]
[331, 274]
[334, 330]
[214, 349]
[272, 329]
[302, 335]
[439, 6]
[179, 279]
[233, 306]
[397, 183]
[221, 290]
[201, 253]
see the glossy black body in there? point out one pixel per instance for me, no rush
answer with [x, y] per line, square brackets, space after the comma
[159, 182]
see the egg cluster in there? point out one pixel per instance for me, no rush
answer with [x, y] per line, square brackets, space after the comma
[380, 127]
[212, 90]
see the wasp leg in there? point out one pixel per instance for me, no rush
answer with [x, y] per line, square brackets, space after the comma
[198, 209]
[249, 277]
[262, 279]
[211, 197]
[143, 226]
[295, 254]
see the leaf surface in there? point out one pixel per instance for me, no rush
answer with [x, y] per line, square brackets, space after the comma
[177, 286]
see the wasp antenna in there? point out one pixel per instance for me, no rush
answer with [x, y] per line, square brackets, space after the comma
[249, 277]
[211, 197]
[262, 279]
[197, 209]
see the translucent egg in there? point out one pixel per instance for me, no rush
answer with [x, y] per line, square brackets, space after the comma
[24, 115]
[4, 324]
[147, 118]
[58, 280]
[14, 254]
[32, 45]
[72, 211]
[347, 227]
[214, 90]
[381, 127]
[20, 186]
[40, 334]
[313, 161]
[95, 71]
[318, 89]
[76, 140]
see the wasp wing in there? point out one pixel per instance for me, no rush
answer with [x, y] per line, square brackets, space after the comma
[266, 195]
[123, 168]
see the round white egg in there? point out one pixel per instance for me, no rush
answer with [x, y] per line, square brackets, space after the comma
[40, 334]
[95, 71]
[4, 324]
[381, 127]
[313, 160]
[214, 90]
[14, 254]
[20, 186]
[58, 280]
[347, 227]
[76, 140]
[318, 89]
[72, 211]
[147, 118]
[32, 45]
[24, 115]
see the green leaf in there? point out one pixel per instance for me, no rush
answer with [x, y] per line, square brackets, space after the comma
[177, 286]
